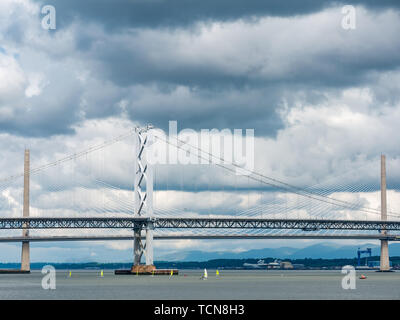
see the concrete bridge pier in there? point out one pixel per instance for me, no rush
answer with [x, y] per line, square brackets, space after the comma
[137, 247]
[149, 245]
[384, 260]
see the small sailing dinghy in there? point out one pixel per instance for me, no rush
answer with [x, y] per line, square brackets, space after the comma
[205, 275]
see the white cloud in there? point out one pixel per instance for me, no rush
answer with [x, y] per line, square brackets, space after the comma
[12, 78]
[36, 84]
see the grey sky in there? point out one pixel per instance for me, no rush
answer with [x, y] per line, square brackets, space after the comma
[202, 74]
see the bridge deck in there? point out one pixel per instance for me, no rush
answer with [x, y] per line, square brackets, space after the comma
[200, 237]
[192, 223]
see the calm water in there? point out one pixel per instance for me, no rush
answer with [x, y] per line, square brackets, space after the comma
[230, 285]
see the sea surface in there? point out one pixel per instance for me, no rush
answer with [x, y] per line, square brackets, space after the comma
[252, 284]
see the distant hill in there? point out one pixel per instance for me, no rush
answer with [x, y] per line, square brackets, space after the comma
[204, 255]
[322, 250]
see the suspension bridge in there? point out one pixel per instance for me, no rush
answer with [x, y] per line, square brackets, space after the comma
[317, 212]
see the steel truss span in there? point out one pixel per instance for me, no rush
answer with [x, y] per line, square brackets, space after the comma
[73, 223]
[195, 223]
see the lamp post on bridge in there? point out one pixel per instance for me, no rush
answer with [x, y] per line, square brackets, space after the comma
[143, 201]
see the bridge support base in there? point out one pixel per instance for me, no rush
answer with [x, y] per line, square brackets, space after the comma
[166, 272]
[14, 271]
[143, 269]
[384, 261]
[139, 248]
[25, 259]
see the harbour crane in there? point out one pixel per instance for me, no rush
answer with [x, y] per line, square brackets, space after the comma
[360, 252]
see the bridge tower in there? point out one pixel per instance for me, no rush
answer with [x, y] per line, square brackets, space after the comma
[384, 260]
[25, 259]
[143, 200]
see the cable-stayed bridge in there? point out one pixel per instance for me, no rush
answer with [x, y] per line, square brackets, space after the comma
[90, 200]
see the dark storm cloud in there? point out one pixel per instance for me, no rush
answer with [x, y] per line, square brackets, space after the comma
[44, 117]
[245, 94]
[114, 14]
[197, 109]
[182, 57]
[238, 75]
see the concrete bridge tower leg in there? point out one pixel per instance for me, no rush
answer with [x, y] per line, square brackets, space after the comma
[25, 258]
[137, 247]
[150, 214]
[149, 246]
[384, 260]
[143, 193]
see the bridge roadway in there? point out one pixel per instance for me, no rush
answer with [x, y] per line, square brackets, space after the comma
[203, 237]
[194, 223]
